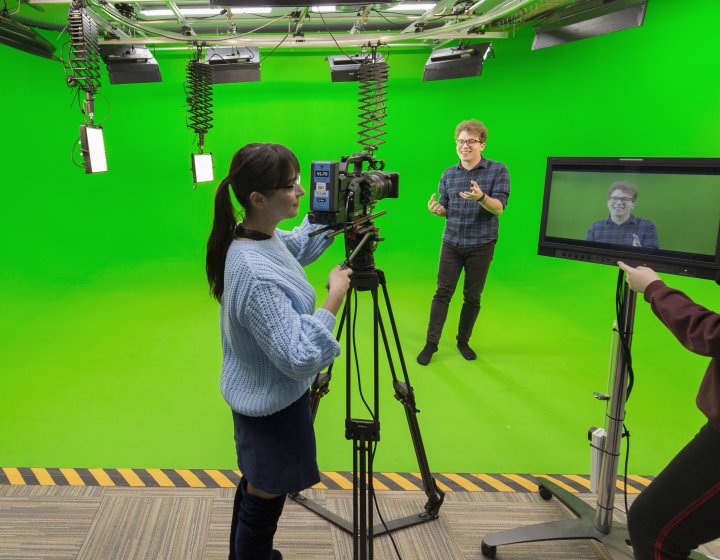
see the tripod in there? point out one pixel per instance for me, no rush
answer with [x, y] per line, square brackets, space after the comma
[366, 433]
[591, 523]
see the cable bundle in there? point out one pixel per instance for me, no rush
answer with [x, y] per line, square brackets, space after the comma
[84, 57]
[373, 77]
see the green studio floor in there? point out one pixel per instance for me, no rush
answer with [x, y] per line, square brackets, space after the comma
[122, 371]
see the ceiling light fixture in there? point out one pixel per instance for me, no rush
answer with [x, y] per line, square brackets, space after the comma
[133, 64]
[463, 61]
[573, 24]
[233, 64]
[345, 68]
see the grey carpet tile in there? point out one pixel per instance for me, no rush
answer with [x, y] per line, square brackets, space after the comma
[142, 527]
[35, 527]
[94, 523]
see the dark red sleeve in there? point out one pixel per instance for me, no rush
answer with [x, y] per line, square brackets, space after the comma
[697, 328]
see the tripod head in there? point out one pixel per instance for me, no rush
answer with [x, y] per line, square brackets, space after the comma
[361, 242]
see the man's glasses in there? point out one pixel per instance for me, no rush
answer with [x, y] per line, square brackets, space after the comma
[470, 142]
[623, 199]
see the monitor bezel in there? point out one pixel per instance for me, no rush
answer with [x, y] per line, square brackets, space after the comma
[674, 262]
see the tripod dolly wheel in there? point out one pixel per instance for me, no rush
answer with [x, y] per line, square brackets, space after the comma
[488, 551]
[545, 494]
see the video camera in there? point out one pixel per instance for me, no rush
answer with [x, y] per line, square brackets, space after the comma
[341, 192]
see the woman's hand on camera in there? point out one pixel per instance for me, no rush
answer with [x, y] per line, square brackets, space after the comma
[638, 278]
[337, 286]
[339, 279]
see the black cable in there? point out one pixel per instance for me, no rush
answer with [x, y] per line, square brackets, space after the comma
[621, 294]
[72, 153]
[377, 508]
[107, 108]
[332, 36]
[221, 13]
[275, 47]
[379, 12]
[626, 435]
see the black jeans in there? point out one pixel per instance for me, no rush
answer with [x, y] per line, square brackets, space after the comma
[476, 262]
[680, 509]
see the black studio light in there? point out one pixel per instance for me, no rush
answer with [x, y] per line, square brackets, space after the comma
[24, 38]
[588, 20]
[130, 64]
[462, 61]
[344, 68]
[233, 64]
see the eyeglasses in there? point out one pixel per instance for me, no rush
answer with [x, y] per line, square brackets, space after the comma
[623, 199]
[295, 186]
[470, 142]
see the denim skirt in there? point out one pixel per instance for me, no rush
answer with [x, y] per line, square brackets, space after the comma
[277, 453]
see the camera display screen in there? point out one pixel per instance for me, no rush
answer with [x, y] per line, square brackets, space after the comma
[655, 211]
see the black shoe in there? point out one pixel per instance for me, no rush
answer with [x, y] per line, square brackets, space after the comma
[467, 352]
[275, 555]
[425, 355]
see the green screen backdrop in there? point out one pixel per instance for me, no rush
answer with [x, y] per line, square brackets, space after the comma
[109, 343]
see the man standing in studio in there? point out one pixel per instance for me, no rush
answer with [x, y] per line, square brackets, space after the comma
[473, 193]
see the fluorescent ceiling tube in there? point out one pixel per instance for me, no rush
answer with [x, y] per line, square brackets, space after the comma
[323, 9]
[156, 12]
[183, 11]
[257, 10]
[409, 7]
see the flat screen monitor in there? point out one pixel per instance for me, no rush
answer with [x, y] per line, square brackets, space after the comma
[660, 212]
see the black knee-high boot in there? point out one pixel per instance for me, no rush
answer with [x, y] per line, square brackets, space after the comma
[257, 520]
[233, 523]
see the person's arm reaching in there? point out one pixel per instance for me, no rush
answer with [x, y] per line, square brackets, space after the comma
[695, 327]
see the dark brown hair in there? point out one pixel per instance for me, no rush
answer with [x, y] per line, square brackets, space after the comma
[254, 168]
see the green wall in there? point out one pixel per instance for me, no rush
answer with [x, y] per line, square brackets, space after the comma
[109, 351]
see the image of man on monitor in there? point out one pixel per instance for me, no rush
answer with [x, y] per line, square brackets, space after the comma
[621, 227]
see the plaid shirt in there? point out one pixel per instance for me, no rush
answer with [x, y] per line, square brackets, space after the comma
[607, 231]
[467, 223]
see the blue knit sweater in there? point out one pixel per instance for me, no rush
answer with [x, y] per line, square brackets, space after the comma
[274, 342]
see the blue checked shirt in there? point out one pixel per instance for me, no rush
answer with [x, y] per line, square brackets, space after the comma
[467, 223]
[607, 231]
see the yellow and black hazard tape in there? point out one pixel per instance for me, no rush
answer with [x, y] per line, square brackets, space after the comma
[217, 478]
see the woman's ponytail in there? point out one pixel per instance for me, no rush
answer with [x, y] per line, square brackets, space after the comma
[220, 238]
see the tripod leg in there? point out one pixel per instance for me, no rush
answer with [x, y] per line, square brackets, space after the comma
[405, 394]
[321, 385]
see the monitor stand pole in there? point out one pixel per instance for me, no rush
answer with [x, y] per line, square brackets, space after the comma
[591, 523]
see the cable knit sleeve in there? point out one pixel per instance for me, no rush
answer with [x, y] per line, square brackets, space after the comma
[697, 328]
[304, 248]
[299, 345]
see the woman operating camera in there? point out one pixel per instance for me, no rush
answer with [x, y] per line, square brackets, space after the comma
[274, 341]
